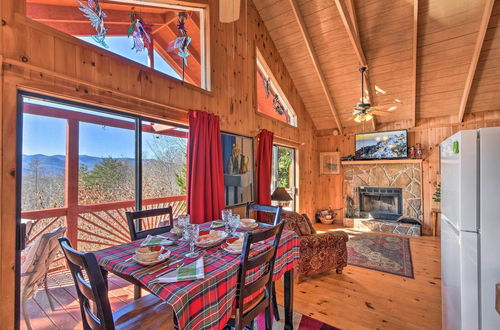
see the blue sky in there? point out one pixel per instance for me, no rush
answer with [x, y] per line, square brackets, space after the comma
[47, 136]
[123, 46]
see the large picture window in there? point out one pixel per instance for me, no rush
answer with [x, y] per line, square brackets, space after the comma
[83, 167]
[168, 38]
[271, 100]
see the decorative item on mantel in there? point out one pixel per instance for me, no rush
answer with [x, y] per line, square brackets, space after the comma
[348, 158]
[326, 216]
[416, 152]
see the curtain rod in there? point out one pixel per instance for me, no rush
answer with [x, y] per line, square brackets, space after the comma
[256, 132]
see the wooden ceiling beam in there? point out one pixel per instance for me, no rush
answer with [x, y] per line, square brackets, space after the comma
[488, 9]
[348, 16]
[414, 67]
[316, 64]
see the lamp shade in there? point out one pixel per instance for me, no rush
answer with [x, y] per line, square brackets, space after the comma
[281, 195]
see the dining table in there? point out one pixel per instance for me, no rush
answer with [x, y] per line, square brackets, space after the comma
[203, 303]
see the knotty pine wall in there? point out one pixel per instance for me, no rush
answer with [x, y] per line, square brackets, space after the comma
[429, 132]
[37, 58]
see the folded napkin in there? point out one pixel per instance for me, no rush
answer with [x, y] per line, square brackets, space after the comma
[189, 272]
[156, 240]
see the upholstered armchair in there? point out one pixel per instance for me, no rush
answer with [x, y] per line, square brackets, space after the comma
[319, 253]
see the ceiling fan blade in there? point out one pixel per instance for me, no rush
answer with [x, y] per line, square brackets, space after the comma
[380, 113]
[386, 108]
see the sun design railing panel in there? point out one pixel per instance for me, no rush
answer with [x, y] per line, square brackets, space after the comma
[98, 226]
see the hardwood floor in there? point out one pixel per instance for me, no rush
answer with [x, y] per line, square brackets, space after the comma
[357, 299]
[367, 299]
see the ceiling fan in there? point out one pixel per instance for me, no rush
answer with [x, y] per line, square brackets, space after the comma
[364, 111]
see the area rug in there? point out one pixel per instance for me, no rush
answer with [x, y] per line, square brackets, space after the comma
[300, 322]
[385, 253]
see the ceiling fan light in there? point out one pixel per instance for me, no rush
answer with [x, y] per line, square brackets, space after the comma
[358, 119]
[368, 117]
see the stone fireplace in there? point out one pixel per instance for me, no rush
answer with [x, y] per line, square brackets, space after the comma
[377, 193]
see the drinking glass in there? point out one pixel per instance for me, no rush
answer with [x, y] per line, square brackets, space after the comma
[234, 223]
[192, 233]
[182, 221]
[226, 213]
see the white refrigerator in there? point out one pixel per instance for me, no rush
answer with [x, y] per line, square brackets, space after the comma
[470, 229]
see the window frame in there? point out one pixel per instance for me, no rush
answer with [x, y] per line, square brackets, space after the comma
[261, 64]
[138, 119]
[205, 42]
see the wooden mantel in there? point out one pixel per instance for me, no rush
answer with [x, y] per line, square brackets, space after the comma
[382, 161]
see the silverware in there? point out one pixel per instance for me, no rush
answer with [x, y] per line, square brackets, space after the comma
[169, 268]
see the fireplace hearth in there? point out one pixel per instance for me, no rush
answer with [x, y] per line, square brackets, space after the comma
[381, 203]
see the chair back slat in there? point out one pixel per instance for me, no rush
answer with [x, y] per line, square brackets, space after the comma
[260, 259]
[92, 321]
[276, 210]
[264, 282]
[134, 219]
[84, 287]
[257, 285]
[94, 290]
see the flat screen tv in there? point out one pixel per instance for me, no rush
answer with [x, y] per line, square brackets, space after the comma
[382, 145]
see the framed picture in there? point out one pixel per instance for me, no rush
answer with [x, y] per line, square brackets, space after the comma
[329, 162]
[238, 161]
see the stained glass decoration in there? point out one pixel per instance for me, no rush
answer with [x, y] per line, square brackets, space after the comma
[93, 11]
[182, 42]
[267, 86]
[140, 32]
[277, 105]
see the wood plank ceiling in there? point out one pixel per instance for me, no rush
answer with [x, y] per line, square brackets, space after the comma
[419, 53]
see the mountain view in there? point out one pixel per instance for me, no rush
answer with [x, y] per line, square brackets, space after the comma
[54, 165]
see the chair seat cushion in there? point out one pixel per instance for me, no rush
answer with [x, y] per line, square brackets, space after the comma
[148, 312]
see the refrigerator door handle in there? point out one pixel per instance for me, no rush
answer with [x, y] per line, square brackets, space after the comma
[497, 298]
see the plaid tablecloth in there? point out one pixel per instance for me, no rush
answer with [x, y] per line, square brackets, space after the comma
[200, 304]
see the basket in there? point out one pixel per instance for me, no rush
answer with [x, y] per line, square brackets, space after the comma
[326, 221]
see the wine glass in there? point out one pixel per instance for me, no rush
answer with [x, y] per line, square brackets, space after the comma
[226, 213]
[192, 233]
[182, 221]
[234, 223]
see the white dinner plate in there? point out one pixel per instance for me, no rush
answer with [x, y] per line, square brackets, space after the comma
[212, 243]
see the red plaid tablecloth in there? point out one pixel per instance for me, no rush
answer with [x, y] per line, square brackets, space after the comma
[200, 304]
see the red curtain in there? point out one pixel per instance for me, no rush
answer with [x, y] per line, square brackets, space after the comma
[264, 167]
[205, 173]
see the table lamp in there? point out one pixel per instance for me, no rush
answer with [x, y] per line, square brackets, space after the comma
[281, 196]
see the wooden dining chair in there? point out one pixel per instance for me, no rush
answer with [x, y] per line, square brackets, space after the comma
[148, 312]
[135, 225]
[276, 210]
[246, 311]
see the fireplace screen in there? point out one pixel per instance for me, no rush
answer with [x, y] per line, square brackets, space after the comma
[380, 202]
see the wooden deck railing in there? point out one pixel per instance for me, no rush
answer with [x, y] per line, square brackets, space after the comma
[96, 226]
